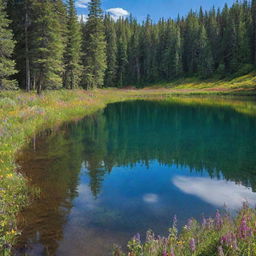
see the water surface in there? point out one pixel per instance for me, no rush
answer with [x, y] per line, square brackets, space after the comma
[131, 167]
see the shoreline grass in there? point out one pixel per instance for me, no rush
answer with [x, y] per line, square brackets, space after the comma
[24, 114]
[222, 235]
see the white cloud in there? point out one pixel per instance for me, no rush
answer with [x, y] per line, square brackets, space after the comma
[117, 13]
[216, 192]
[82, 3]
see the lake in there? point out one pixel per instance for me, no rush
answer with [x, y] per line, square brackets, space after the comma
[132, 167]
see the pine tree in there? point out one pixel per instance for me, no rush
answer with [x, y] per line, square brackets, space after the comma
[254, 30]
[191, 44]
[94, 59]
[205, 63]
[134, 54]
[48, 46]
[122, 60]
[213, 34]
[20, 12]
[6, 50]
[73, 68]
[111, 51]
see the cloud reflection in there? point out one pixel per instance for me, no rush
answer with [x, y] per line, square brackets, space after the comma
[216, 192]
[150, 198]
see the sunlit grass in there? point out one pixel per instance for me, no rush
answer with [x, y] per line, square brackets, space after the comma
[240, 84]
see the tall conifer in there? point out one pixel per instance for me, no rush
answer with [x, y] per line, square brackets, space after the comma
[6, 50]
[73, 66]
[94, 59]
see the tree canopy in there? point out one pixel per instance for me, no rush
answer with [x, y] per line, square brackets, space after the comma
[53, 50]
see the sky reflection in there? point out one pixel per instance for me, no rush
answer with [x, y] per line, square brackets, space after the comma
[216, 192]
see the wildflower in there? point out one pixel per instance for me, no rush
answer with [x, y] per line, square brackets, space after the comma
[220, 251]
[243, 230]
[172, 252]
[180, 242]
[9, 175]
[192, 245]
[12, 232]
[209, 223]
[164, 253]
[218, 220]
[137, 238]
[230, 240]
[189, 224]
[204, 222]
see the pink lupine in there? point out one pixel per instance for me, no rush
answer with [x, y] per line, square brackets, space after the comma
[192, 245]
[244, 230]
[164, 253]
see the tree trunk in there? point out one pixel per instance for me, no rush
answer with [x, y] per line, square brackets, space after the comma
[39, 86]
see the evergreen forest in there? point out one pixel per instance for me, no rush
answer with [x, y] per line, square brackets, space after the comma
[44, 45]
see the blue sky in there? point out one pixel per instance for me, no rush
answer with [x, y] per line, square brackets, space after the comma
[155, 8]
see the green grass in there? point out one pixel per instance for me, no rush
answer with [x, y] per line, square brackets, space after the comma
[245, 84]
[222, 235]
[24, 114]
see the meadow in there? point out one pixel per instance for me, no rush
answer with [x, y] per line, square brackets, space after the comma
[22, 115]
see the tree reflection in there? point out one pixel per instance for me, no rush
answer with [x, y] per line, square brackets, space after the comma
[217, 140]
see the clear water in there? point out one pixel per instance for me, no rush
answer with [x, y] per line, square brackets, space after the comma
[130, 168]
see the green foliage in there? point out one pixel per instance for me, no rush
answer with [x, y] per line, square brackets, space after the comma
[201, 44]
[6, 50]
[73, 68]
[48, 46]
[111, 51]
[219, 236]
[105, 52]
[94, 59]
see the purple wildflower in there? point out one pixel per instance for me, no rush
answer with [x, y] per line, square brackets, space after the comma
[164, 253]
[244, 231]
[190, 223]
[192, 245]
[137, 237]
[209, 223]
[229, 240]
[204, 222]
[218, 220]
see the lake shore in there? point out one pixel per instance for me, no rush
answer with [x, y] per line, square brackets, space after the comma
[23, 114]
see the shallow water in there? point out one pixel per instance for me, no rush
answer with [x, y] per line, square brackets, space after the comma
[131, 167]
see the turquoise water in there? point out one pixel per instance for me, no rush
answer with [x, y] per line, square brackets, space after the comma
[131, 167]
